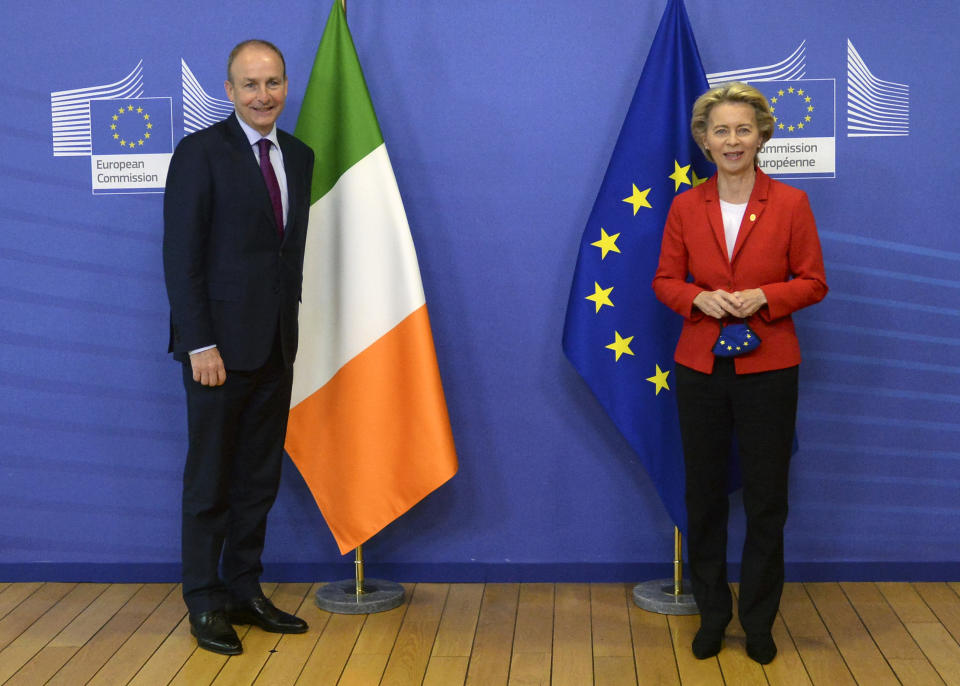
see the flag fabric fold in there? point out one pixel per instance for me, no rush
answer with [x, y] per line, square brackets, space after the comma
[368, 426]
[616, 334]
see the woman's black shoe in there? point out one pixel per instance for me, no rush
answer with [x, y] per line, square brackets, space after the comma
[707, 643]
[761, 648]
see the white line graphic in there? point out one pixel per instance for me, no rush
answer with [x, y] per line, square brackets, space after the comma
[70, 112]
[874, 107]
[793, 67]
[200, 109]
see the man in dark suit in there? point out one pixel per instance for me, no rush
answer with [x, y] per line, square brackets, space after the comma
[235, 220]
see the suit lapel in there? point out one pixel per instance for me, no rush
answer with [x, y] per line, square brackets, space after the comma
[755, 207]
[292, 188]
[711, 198]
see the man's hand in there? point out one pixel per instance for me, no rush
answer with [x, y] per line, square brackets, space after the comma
[718, 304]
[208, 368]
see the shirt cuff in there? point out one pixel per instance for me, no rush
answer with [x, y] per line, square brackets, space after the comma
[200, 350]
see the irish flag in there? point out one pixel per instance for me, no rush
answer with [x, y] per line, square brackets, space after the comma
[368, 425]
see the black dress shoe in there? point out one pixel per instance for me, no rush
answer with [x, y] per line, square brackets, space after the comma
[707, 643]
[761, 648]
[214, 633]
[261, 612]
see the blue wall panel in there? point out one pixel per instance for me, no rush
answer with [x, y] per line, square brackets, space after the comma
[499, 118]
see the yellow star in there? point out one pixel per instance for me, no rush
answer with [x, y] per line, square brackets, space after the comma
[780, 125]
[810, 108]
[800, 92]
[146, 135]
[800, 125]
[696, 179]
[149, 125]
[123, 142]
[140, 142]
[807, 118]
[679, 175]
[620, 345]
[638, 199]
[774, 99]
[807, 99]
[129, 108]
[139, 110]
[606, 243]
[116, 136]
[659, 380]
[773, 109]
[790, 128]
[774, 119]
[120, 110]
[780, 92]
[115, 117]
[790, 89]
[146, 116]
[113, 127]
[601, 296]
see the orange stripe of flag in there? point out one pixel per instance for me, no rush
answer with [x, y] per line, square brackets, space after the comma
[375, 439]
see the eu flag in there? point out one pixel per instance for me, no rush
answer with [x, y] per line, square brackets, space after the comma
[617, 335]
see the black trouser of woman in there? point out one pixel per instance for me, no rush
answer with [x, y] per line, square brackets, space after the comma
[760, 409]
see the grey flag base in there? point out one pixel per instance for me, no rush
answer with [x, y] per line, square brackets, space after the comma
[359, 596]
[377, 596]
[667, 596]
[658, 596]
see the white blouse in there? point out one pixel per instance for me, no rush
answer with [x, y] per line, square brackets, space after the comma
[732, 218]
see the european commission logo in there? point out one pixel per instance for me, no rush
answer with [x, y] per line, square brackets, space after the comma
[128, 137]
[804, 143]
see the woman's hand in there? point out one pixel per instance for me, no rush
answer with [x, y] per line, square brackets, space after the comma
[751, 300]
[718, 304]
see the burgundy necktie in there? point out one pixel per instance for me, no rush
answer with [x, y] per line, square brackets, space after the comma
[273, 187]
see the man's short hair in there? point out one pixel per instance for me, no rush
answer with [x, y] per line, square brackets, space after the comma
[255, 41]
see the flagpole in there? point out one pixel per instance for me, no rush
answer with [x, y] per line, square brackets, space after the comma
[358, 572]
[677, 562]
[667, 596]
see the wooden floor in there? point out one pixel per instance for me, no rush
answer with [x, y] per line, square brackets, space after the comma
[484, 635]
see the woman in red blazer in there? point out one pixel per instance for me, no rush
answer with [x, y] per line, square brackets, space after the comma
[739, 247]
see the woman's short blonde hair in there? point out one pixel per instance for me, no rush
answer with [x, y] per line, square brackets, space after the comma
[730, 92]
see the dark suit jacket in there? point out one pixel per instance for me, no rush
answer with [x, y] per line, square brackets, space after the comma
[777, 249]
[230, 279]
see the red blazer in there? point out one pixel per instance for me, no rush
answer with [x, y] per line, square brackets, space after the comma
[777, 250]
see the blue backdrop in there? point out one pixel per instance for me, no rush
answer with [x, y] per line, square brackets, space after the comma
[500, 118]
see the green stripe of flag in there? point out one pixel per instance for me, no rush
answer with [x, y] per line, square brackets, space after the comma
[337, 118]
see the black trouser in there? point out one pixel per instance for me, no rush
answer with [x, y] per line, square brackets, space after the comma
[760, 409]
[236, 434]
